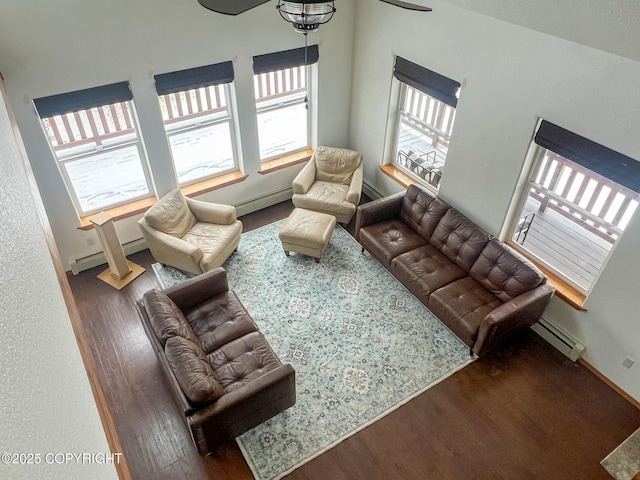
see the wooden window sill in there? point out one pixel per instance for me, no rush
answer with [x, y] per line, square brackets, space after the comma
[118, 213]
[213, 183]
[285, 161]
[397, 175]
[141, 206]
[564, 290]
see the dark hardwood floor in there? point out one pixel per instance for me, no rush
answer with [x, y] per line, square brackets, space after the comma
[526, 412]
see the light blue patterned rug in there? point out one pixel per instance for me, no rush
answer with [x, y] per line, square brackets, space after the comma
[360, 343]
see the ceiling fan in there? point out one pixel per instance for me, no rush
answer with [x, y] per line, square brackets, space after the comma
[236, 7]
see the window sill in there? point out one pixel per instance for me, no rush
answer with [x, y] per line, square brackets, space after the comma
[564, 290]
[118, 213]
[213, 183]
[286, 161]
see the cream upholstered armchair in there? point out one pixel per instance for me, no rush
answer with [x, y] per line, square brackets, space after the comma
[330, 183]
[189, 234]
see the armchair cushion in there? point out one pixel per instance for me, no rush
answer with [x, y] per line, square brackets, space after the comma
[192, 371]
[336, 165]
[172, 215]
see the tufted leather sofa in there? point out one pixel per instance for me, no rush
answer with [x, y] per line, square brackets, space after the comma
[221, 371]
[482, 289]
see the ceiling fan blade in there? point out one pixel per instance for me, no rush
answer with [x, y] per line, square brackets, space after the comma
[408, 6]
[231, 7]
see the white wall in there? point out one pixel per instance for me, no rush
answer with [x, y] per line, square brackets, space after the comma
[46, 402]
[72, 45]
[511, 76]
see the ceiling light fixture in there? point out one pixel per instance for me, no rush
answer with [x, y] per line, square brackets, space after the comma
[306, 15]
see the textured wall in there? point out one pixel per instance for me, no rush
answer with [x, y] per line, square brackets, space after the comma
[46, 402]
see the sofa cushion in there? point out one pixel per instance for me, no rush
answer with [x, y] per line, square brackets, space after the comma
[422, 211]
[219, 320]
[504, 272]
[424, 269]
[336, 165]
[192, 370]
[243, 361]
[388, 239]
[171, 215]
[462, 305]
[459, 239]
[166, 319]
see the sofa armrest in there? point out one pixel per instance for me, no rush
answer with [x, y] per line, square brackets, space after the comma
[303, 181]
[378, 211]
[244, 408]
[512, 317]
[198, 289]
[355, 187]
[172, 250]
[215, 213]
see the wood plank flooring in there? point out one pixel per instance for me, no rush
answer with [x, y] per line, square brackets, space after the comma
[524, 413]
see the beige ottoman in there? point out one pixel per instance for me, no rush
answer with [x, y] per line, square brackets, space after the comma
[307, 232]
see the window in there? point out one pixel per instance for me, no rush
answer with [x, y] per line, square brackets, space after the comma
[424, 121]
[282, 86]
[93, 135]
[199, 121]
[579, 198]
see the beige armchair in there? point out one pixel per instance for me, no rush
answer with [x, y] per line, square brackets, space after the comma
[189, 234]
[330, 183]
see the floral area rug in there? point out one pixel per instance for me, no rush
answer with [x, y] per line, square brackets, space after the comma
[360, 343]
[624, 462]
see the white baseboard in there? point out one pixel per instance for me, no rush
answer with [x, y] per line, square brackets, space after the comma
[560, 339]
[264, 201]
[371, 192]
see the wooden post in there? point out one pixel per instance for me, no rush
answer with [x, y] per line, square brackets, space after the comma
[121, 271]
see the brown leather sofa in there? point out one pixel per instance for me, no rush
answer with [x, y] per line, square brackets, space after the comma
[482, 289]
[221, 371]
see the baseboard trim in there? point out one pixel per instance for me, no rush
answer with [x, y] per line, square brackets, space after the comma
[264, 201]
[370, 191]
[606, 380]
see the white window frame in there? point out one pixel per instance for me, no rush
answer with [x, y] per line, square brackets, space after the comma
[177, 127]
[533, 164]
[426, 167]
[79, 122]
[283, 100]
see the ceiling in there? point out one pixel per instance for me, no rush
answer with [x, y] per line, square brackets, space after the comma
[609, 25]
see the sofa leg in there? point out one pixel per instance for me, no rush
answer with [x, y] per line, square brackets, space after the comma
[471, 352]
[363, 250]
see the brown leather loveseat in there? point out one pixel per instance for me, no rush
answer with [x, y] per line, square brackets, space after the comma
[483, 290]
[222, 373]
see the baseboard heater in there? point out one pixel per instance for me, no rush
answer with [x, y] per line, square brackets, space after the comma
[559, 339]
[80, 264]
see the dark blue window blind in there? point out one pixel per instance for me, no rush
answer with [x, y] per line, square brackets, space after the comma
[83, 99]
[615, 166]
[272, 62]
[197, 77]
[427, 81]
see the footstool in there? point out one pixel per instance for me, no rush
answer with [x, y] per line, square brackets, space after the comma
[307, 232]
